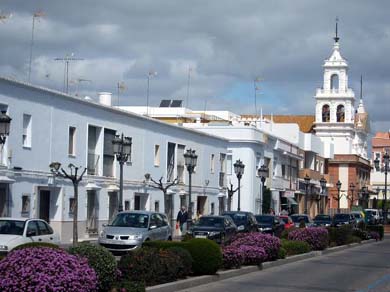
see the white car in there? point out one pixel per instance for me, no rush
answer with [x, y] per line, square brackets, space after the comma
[14, 232]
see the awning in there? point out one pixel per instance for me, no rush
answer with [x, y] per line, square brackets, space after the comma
[91, 186]
[292, 201]
[6, 180]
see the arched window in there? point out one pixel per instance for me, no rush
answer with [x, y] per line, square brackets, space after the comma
[325, 113]
[334, 81]
[340, 113]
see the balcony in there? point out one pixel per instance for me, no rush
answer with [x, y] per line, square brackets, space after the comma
[314, 175]
[93, 163]
[222, 179]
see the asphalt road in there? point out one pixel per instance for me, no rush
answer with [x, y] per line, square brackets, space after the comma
[362, 268]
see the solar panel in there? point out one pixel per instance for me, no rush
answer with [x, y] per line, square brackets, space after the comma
[176, 103]
[165, 103]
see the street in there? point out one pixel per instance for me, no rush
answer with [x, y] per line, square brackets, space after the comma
[362, 268]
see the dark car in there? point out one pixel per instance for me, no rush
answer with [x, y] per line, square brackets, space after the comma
[343, 219]
[298, 218]
[218, 228]
[245, 221]
[322, 220]
[270, 224]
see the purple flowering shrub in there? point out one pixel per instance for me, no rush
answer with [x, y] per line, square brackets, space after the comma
[233, 257]
[253, 255]
[316, 237]
[374, 235]
[46, 269]
[269, 243]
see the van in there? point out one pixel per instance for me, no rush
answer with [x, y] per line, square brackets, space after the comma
[372, 216]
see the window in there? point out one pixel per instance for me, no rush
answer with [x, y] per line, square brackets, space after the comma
[229, 164]
[156, 155]
[212, 162]
[212, 207]
[325, 114]
[26, 130]
[180, 163]
[108, 153]
[72, 205]
[157, 206]
[26, 205]
[72, 141]
[334, 81]
[340, 113]
[43, 228]
[283, 170]
[32, 228]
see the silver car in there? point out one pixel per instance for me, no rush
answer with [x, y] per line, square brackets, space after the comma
[130, 229]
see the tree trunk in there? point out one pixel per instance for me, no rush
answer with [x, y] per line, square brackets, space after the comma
[75, 212]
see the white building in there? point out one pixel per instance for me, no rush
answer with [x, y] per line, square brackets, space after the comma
[50, 126]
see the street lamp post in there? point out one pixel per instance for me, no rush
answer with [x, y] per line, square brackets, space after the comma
[338, 186]
[57, 170]
[384, 168]
[239, 171]
[190, 160]
[5, 122]
[262, 172]
[352, 188]
[307, 183]
[122, 150]
[323, 188]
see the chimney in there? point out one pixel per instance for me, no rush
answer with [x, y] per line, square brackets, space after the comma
[105, 98]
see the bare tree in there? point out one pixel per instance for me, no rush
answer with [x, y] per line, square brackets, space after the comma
[231, 192]
[164, 187]
[72, 176]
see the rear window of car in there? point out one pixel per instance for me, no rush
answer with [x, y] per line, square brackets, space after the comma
[342, 216]
[264, 219]
[238, 218]
[297, 219]
[322, 217]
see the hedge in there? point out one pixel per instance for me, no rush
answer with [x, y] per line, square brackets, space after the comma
[293, 247]
[377, 228]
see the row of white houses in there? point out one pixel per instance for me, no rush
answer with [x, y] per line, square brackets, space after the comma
[49, 126]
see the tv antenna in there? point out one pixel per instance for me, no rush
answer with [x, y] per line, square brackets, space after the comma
[77, 83]
[67, 59]
[36, 15]
[121, 86]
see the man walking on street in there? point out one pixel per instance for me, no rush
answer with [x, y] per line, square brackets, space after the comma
[182, 218]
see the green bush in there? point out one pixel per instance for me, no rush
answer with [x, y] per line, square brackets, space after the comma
[340, 235]
[362, 225]
[185, 265]
[128, 286]
[377, 228]
[354, 239]
[37, 244]
[362, 234]
[282, 253]
[286, 232]
[206, 254]
[101, 260]
[294, 247]
[150, 266]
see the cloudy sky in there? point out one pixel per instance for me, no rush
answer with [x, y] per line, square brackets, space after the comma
[226, 43]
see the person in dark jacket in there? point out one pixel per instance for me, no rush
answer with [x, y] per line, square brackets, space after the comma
[182, 218]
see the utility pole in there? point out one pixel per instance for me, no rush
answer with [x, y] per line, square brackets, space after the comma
[35, 15]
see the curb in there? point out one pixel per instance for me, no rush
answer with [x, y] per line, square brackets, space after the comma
[222, 275]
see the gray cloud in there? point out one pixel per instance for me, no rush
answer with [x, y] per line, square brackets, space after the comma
[227, 43]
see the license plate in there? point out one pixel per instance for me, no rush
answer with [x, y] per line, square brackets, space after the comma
[200, 236]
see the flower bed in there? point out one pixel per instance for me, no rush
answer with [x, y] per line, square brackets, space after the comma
[316, 237]
[46, 269]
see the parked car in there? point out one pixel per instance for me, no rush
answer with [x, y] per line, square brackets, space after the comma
[14, 232]
[358, 216]
[245, 221]
[221, 229]
[298, 218]
[322, 220]
[270, 224]
[343, 219]
[288, 223]
[130, 229]
[372, 216]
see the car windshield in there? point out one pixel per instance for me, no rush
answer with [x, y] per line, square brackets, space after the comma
[210, 222]
[14, 227]
[357, 215]
[136, 220]
[284, 219]
[341, 216]
[265, 219]
[322, 217]
[297, 219]
[238, 218]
